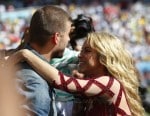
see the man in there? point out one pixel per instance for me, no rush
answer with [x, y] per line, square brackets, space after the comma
[48, 36]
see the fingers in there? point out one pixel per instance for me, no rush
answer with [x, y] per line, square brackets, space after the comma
[13, 59]
[75, 73]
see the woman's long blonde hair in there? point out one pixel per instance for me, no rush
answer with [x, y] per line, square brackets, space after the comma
[120, 64]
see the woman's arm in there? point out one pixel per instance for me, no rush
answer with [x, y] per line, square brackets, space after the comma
[42, 67]
[89, 87]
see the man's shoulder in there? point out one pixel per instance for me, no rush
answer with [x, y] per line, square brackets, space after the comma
[29, 77]
[26, 71]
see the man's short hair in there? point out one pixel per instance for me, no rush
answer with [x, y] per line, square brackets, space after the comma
[47, 21]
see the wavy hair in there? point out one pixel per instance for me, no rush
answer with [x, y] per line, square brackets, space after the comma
[119, 63]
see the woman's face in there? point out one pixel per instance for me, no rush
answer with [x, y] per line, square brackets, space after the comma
[88, 60]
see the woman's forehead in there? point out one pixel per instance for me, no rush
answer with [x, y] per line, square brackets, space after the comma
[86, 45]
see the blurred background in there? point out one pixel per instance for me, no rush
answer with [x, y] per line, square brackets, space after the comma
[128, 19]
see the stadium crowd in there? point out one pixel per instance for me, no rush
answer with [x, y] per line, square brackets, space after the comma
[131, 24]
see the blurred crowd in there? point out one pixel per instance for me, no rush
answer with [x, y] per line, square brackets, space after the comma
[130, 23]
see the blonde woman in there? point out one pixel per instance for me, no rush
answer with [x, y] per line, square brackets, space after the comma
[110, 83]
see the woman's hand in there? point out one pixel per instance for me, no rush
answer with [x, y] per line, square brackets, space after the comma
[76, 73]
[16, 57]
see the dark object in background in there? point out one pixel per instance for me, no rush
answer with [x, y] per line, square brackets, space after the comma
[83, 25]
[144, 97]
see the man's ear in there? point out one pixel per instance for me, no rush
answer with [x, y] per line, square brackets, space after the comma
[55, 38]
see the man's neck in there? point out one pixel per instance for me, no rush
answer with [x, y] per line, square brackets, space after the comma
[47, 57]
[42, 51]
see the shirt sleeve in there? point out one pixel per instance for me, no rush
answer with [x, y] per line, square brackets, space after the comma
[87, 87]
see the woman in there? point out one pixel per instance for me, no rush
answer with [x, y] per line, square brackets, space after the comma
[110, 79]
